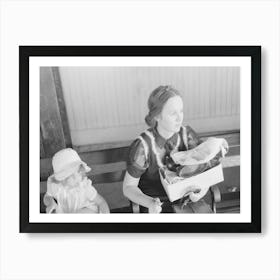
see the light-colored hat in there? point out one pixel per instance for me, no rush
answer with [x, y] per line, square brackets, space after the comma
[65, 162]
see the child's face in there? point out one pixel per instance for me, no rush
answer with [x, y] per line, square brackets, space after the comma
[171, 116]
[76, 178]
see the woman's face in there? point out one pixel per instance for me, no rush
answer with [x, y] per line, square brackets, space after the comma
[171, 117]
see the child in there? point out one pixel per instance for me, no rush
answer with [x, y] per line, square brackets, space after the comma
[69, 190]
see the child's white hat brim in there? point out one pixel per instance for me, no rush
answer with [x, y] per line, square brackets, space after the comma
[70, 169]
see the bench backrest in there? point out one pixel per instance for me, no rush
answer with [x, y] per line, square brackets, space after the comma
[108, 169]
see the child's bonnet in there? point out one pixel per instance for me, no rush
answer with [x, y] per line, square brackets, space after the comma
[66, 199]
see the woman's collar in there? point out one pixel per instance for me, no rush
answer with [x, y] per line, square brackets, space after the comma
[161, 141]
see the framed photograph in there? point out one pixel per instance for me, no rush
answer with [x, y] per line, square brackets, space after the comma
[140, 139]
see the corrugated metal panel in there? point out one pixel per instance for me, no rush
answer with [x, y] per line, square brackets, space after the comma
[99, 100]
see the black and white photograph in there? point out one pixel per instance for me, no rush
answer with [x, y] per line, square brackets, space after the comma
[107, 107]
[135, 134]
[140, 140]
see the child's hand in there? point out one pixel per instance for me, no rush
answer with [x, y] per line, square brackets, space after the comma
[50, 203]
[102, 204]
[155, 206]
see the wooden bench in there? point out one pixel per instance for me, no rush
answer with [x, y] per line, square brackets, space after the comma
[108, 164]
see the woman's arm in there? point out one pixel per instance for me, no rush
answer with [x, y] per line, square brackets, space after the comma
[102, 204]
[133, 193]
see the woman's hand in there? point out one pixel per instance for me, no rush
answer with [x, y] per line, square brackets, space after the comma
[155, 206]
[225, 147]
[196, 196]
[133, 193]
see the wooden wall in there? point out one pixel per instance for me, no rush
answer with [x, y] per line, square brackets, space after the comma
[107, 104]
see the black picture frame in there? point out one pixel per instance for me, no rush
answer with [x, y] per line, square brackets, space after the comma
[254, 52]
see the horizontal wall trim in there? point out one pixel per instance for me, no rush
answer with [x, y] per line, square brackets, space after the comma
[230, 135]
[125, 133]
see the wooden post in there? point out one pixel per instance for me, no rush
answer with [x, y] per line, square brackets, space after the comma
[62, 107]
[52, 134]
[42, 151]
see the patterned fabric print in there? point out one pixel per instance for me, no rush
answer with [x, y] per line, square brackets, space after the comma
[154, 149]
[184, 137]
[172, 147]
[137, 161]
[145, 166]
[192, 138]
[145, 146]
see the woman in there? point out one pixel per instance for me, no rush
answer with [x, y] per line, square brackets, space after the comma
[149, 151]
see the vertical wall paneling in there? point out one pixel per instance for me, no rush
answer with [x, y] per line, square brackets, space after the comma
[107, 104]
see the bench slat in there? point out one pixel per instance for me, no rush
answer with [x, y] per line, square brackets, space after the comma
[117, 176]
[230, 161]
[115, 171]
[109, 166]
[93, 159]
[110, 177]
[114, 164]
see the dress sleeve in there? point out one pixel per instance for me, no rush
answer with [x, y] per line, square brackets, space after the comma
[52, 187]
[137, 161]
[192, 138]
[91, 192]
